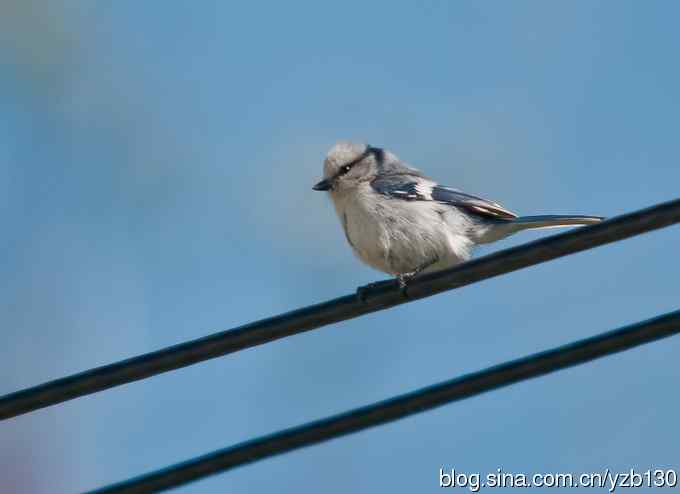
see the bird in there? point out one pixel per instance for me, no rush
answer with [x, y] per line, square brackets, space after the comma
[403, 223]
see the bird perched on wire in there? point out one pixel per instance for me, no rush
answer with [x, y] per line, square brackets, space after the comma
[403, 223]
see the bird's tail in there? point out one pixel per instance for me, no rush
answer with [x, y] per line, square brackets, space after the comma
[508, 227]
[553, 221]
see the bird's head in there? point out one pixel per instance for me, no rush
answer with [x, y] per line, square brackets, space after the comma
[347, 165]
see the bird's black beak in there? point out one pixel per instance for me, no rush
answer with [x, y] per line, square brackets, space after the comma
[323, 185]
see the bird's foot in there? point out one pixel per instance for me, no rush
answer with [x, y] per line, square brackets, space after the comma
[404, 279]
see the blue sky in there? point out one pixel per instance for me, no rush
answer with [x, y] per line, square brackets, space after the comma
[156, 163]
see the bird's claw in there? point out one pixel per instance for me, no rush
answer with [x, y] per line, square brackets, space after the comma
[403, 280]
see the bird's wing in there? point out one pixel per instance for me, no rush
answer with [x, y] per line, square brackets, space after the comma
[413, 188]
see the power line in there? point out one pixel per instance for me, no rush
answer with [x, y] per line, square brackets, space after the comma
[380, 297]
[401, 406]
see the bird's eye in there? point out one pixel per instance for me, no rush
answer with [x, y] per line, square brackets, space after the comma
[345, 169]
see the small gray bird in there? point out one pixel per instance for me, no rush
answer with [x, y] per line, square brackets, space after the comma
[403, 223]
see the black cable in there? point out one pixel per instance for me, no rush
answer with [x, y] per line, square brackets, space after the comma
[401, 406]
[382, 296]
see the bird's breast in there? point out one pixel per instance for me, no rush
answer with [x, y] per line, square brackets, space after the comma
[361, 216]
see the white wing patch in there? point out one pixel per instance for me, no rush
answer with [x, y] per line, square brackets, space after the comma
[424, 190]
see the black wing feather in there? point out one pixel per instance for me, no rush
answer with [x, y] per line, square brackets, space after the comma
[408, 187]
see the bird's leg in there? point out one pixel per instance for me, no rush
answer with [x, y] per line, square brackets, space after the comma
[404, 278]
